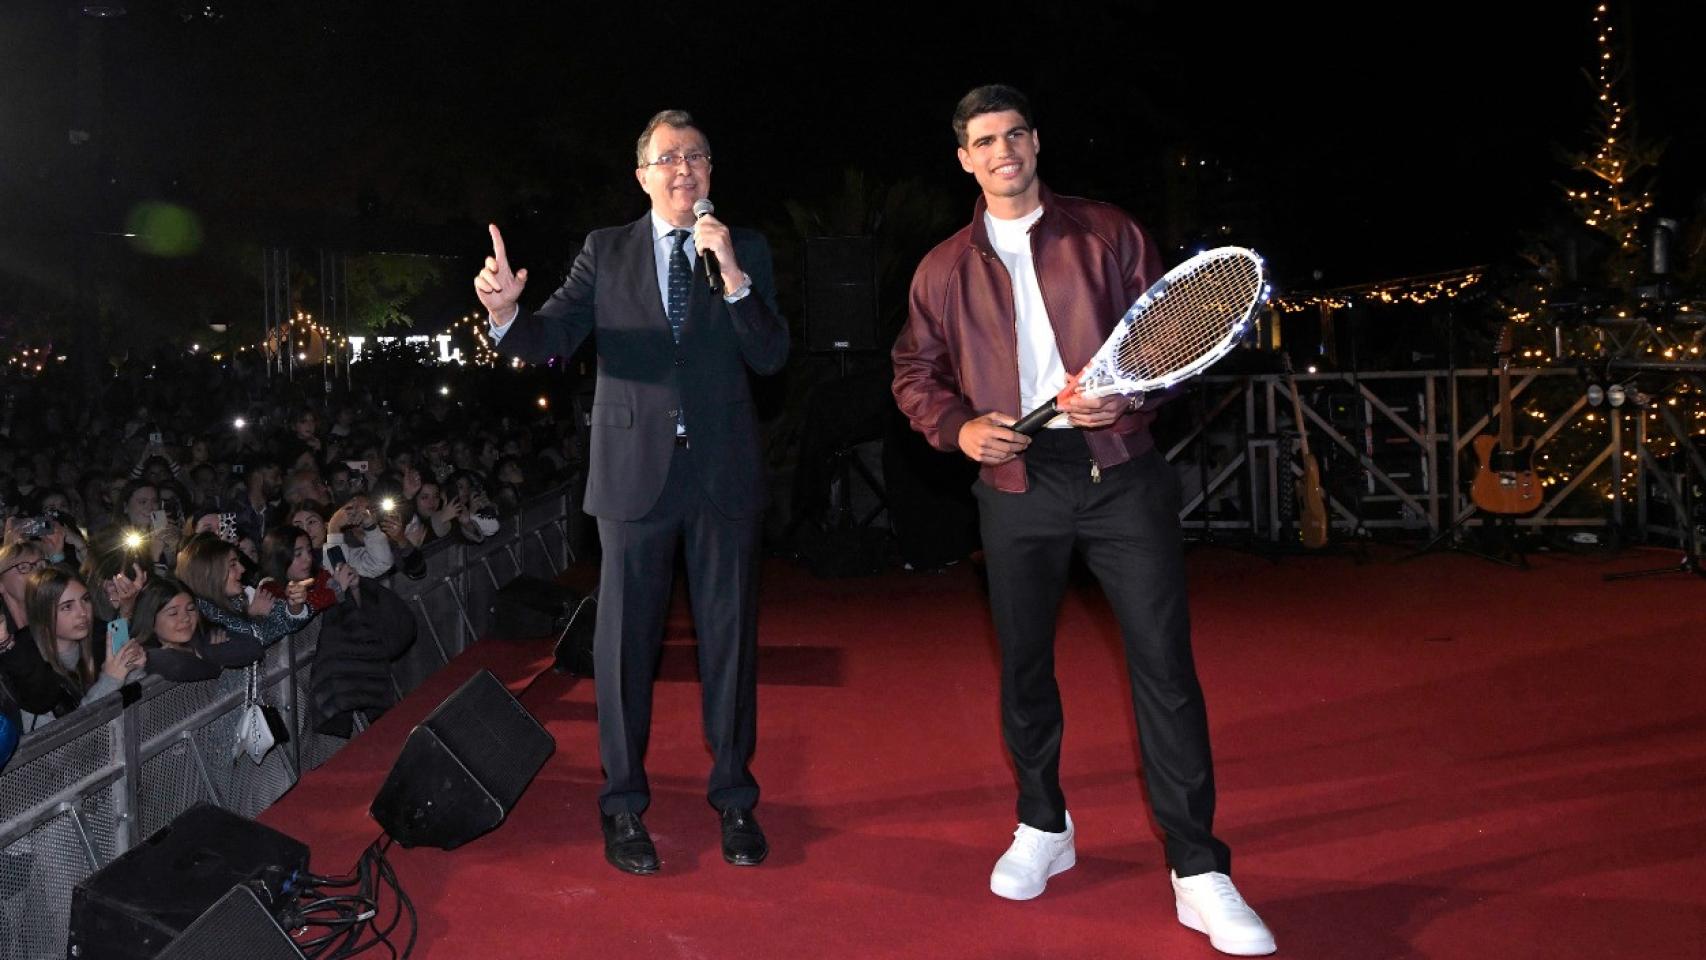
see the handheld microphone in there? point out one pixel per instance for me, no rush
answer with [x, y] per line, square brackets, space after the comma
[713, 271]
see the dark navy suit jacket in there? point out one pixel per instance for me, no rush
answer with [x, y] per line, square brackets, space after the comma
[644, 377]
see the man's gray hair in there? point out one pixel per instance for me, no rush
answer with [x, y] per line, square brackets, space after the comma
[664, 118]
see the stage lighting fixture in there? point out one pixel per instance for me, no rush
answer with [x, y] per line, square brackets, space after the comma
[1615, 395]
[239, 423]
[1596, 394]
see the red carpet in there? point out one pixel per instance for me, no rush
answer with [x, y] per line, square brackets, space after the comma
[1441, 758]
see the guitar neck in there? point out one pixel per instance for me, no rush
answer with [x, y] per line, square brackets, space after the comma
[1297, 412]
[1507, 435]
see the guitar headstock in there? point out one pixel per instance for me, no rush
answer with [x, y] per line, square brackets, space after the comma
[1502, 347]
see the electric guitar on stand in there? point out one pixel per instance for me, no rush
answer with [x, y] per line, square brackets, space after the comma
[1311, 502]
[1505, 483]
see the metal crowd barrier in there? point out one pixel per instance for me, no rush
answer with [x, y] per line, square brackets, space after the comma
[86, 788]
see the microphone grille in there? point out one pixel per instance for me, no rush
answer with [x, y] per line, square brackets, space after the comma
[702, 206]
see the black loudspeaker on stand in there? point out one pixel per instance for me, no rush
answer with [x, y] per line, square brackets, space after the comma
[160, 891]
[463, 768]
[841, 294]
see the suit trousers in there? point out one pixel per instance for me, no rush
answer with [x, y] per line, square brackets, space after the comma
[636, 581]
[1127, 526]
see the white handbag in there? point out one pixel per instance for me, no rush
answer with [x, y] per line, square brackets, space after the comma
[254, 734]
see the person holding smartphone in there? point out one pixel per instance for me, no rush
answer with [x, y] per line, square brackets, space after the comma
[139, 503]
[63, 622]
[355, 527]
[288, 560]
[395, 514]
[61, 538]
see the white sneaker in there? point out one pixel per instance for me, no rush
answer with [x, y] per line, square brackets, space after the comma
[1209, 903]
[1023, 871]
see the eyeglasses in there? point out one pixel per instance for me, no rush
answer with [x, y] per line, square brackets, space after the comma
[695, 161]
[24, 566]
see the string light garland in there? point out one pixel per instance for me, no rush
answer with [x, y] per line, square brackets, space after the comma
[1412, 290]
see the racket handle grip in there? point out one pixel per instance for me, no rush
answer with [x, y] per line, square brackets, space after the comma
[1032, 422]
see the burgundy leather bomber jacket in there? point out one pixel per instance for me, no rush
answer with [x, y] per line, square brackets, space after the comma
[958, 357]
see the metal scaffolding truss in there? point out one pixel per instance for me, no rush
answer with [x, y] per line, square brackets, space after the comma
[1396, 452]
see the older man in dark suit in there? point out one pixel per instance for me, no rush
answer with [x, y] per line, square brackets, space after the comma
[675, 459]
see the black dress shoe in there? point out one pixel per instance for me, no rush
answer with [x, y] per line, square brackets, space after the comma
[743, 840]
[627, 845]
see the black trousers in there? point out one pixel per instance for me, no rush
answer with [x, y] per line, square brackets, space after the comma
[635, 583]
[1127, 526]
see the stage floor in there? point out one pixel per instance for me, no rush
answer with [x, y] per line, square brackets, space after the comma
[1439, 758]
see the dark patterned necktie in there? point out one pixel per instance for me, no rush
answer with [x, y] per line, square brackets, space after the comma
[680, 283]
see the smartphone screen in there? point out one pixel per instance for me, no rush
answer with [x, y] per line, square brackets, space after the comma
[118, 634]
[157, 519]
[334, 556]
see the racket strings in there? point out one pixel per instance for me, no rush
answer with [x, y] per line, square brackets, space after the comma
[1189, 318]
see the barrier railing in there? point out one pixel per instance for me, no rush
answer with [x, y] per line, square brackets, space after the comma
[86, 788]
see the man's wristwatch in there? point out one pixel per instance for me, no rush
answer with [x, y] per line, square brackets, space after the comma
[1134, 403]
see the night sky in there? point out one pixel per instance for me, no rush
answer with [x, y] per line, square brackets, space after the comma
[1336, 145]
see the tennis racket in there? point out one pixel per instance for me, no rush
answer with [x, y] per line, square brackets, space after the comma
[1180, 326]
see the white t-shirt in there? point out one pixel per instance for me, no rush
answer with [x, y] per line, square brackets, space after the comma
[1041, 374]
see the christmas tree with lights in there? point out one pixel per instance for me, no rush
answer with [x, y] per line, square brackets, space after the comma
[1617, 171]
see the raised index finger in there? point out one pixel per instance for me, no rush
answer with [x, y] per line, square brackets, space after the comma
[498, 247]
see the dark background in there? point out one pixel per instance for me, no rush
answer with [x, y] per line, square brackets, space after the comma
[1347, 147]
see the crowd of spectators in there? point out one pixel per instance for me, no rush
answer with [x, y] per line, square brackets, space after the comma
[186, 513]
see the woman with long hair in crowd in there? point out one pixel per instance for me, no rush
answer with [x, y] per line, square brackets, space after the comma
[35, 685]
[71, 640]
[211, 569]
[287, 559]
[180, 646]
[432, 515]
[439, 517]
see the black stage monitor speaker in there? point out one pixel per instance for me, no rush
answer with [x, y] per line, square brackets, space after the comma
[237, 926]
[463, 768]
[528, 607]
[841, 294]
[133, 907]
